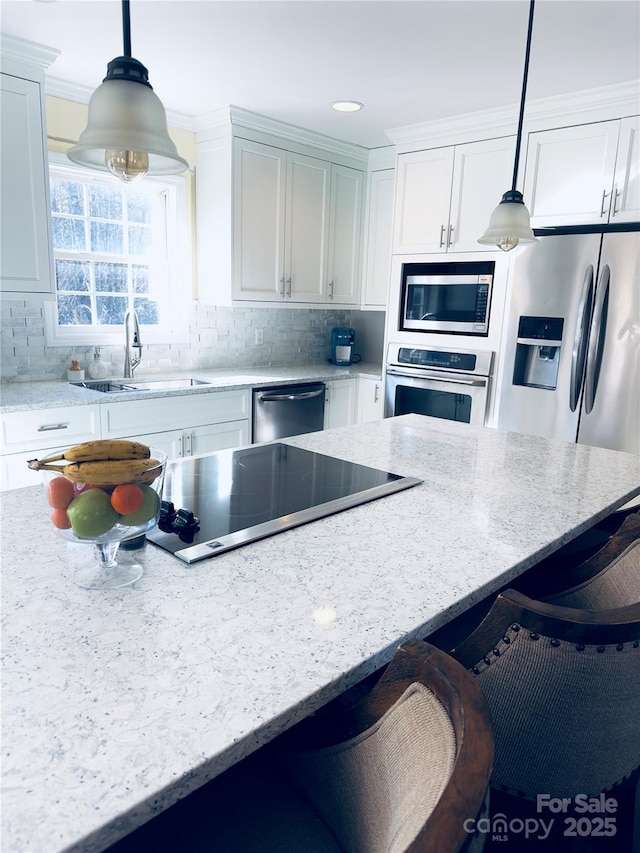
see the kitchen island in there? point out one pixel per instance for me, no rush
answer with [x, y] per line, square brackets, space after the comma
[117, 703]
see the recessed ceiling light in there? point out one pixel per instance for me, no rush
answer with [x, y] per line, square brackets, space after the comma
[346, 106]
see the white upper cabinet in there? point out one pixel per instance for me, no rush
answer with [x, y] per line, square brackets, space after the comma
[25, 237]
[276, 224]
[587, 174]
[378, 242]
[345, 233]
[306, 229]
[445, 196]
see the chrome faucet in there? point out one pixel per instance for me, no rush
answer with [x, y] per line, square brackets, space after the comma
[130, 363]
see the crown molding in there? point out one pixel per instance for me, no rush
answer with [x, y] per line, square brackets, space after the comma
[606, 102]
[82, 95]
[212, 122]
[18, 50]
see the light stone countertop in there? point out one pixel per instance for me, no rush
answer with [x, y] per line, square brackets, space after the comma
[117, 703]
[23, 396]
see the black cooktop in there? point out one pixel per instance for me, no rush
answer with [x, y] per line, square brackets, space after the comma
[214, 503]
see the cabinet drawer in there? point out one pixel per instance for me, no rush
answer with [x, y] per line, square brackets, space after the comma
[136, 417]
[28, 431]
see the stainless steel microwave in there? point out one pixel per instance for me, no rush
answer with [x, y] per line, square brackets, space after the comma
[452, 298]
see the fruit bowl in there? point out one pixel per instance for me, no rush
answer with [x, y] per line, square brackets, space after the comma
[102, 502]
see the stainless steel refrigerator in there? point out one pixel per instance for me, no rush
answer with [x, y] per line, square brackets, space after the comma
[572, 341]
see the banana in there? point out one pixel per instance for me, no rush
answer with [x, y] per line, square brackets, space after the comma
[105, 472]
[102, 449]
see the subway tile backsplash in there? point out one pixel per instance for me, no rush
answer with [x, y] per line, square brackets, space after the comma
[218, 338]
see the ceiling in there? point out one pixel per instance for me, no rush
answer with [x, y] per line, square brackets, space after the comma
[407, 61]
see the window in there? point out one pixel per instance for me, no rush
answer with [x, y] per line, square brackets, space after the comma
[116, 246]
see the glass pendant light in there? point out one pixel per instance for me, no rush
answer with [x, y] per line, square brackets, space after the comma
[509, 225]
[127, 130]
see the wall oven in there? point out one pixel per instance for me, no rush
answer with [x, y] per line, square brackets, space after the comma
[441, 383]
[446, 298]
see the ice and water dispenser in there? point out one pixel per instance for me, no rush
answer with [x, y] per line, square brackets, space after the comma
[538, 352]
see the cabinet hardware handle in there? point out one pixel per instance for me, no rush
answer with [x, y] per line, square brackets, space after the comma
[442, 227]
[50, 427]
[288, 294]
[282, 286]
[376, 393]
[187, 441]
[180, 446]
[615, 201]
[330, 290]
[602, 206]
[449, 233]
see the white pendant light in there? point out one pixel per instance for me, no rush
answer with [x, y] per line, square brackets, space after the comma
[509, 225]
[127, 130]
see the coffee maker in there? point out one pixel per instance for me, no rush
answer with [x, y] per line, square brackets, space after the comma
[343, 342]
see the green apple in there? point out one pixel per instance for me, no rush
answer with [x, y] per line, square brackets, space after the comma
[150, 506]
[91, 514]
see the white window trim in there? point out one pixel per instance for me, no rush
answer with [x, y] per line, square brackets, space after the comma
[179, 279]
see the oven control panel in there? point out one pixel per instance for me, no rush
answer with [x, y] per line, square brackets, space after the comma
[437, 358]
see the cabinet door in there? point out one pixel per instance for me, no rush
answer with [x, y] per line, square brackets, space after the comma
[25, 256]
[259, 221]
[340, 403]
[569, 174]
[209, 439]
[482, 172]
[423, 194]
[344, 236]
[171, 442]
[379, 230]
[370, 400]
[307, 228]
[625, 206]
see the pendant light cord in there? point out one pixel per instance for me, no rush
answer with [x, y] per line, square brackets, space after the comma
[522, 98]
[126, 28]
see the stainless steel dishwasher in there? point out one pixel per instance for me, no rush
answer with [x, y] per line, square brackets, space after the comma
[280, 411]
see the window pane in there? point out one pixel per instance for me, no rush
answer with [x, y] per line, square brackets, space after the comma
[106, 237]
[111, 310]
[139, 239]
[138, 208]
[74, 310]
[111, 277]
[147, 311]
[105, 203]
[68, 233]
[72, 275]
[67, 197]
[140, 278]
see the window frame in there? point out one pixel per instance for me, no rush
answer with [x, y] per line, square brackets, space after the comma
[174, 328]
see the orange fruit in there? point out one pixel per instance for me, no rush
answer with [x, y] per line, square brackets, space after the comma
[60, 492]
[60, 519]
[127, 499]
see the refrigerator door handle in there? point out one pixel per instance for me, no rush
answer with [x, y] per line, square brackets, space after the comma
[580, 339]
[597, 337]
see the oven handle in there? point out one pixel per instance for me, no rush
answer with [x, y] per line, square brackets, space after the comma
[453, 378]
[306, 395]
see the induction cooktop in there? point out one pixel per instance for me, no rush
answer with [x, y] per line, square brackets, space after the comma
[212, 504]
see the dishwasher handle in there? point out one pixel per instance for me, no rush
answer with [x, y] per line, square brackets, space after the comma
[304, 395]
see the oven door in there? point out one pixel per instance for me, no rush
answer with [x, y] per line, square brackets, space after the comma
[437, 394]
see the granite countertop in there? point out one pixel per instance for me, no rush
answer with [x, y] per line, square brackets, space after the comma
[116, 703]
[22, 396]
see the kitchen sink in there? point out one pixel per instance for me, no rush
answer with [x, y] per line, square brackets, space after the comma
[110, 387]
[162, 384]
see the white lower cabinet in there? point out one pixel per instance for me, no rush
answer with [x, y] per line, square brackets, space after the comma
[37, 434]
[370, 400]
[187, 425]
[340, 403]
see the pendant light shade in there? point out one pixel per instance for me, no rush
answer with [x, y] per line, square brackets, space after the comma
[127, 130]
[510, 224]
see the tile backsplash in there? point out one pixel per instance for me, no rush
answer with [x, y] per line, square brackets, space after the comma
[218, 338]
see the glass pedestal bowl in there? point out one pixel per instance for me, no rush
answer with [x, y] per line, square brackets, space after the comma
[104, 515]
